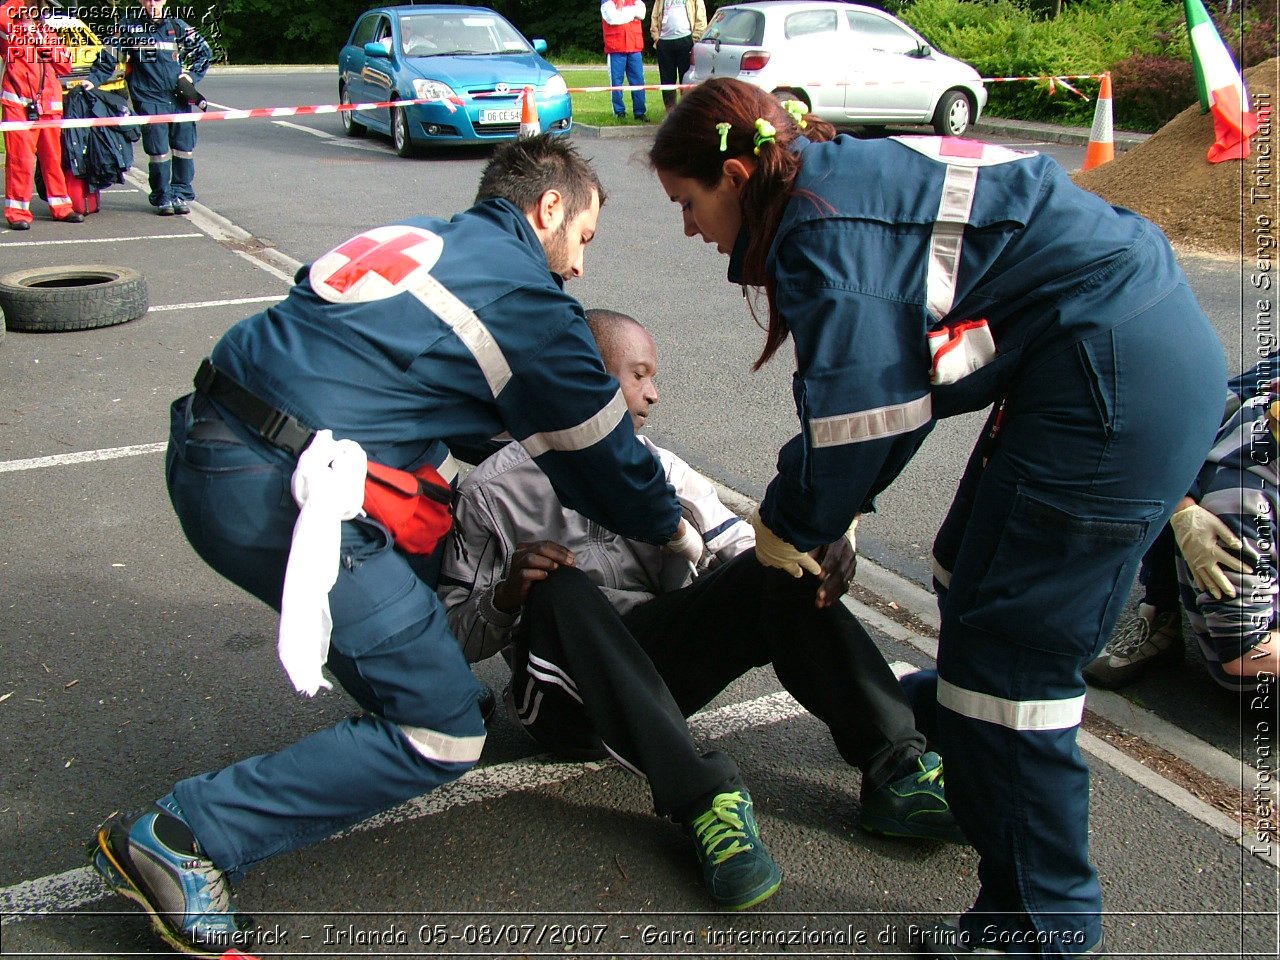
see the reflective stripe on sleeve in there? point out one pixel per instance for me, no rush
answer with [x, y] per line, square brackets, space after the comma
[448, 469]
[435, 745]
[871, 424]
[947, 242]
[941, 574]
[1014, 714]
[585, 434]
[463, 321]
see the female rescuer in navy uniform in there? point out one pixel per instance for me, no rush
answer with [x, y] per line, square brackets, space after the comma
[922, 277]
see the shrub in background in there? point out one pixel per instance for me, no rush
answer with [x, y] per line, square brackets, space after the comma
[1151, 90]
[1001, 38]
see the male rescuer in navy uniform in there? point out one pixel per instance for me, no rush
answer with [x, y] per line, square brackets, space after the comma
[400, 338]
[161, 54]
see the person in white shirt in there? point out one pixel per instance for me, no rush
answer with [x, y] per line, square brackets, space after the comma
[611, 646]
[675, 26]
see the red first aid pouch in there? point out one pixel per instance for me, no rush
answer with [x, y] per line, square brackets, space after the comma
[416, 507]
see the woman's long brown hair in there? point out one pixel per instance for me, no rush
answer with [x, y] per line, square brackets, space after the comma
[688, 145]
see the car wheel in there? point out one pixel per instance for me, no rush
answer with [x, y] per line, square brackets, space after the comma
[786, 93]
[50, 299]
[952, 117]
[350, 125]
[400, 138]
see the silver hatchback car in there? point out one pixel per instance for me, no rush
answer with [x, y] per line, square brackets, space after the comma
[852, 65]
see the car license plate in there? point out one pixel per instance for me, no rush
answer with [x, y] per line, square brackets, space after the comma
[500, 116]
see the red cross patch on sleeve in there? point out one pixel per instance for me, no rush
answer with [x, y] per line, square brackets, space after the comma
[376, 265]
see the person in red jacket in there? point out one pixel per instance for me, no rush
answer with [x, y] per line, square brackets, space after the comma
[623, 41]
[34, 59]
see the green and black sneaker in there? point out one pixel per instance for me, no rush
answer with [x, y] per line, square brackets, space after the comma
[914, 805]
[737, 869]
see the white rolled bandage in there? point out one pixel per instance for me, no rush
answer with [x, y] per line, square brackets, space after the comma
[328, 486]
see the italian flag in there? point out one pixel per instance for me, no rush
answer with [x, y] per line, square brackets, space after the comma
[1221, 87]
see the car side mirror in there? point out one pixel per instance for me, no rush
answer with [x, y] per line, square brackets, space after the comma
[539, 46]
[921, 52]
[378, 48]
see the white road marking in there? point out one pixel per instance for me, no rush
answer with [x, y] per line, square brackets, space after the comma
[59, 893]
[84, 456]
[133, 239]
[311, 130]
[257, 261]
[357, 145]
[216, 303]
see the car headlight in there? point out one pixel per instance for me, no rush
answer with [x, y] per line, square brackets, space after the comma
[556, 87]
[432, 90]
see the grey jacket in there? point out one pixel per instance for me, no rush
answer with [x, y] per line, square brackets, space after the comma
[507, 500]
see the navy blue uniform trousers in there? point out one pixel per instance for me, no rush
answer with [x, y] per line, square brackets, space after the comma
[391, 649]
[170, 149]
[1034, 562]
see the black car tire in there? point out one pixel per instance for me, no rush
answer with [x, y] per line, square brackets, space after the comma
[953, 115]
[1, 325]
[400, 138]
[79, 297]
[350, 125]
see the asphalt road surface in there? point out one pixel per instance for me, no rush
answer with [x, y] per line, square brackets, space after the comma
[125, 664]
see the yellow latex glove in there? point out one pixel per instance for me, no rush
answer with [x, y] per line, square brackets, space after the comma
[773, 551]
[1198, 533]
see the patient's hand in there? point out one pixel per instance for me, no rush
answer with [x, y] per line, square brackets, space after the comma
[530, 563]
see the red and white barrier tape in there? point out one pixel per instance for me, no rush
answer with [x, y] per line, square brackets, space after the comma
[252, 114]
[257, 113]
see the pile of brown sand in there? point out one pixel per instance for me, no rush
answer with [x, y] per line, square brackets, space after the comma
[1212, 207]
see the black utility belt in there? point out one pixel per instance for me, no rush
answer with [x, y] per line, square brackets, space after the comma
[275, 426]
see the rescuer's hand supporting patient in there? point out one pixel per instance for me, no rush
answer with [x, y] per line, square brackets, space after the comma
[1198, 533]
[530, 563]
[773, 551]
[687, 542]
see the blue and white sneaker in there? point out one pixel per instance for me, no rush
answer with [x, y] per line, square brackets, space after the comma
[153, 859]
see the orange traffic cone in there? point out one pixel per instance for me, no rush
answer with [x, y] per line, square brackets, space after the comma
[1102, 141]
[529, 126]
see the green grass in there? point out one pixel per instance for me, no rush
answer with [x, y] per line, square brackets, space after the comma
[596, 109]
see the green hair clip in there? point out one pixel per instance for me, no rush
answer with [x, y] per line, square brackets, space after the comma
[766, 132]
[798, 111]
[723, 129]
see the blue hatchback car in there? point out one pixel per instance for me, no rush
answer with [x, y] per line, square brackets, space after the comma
[470, 60]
